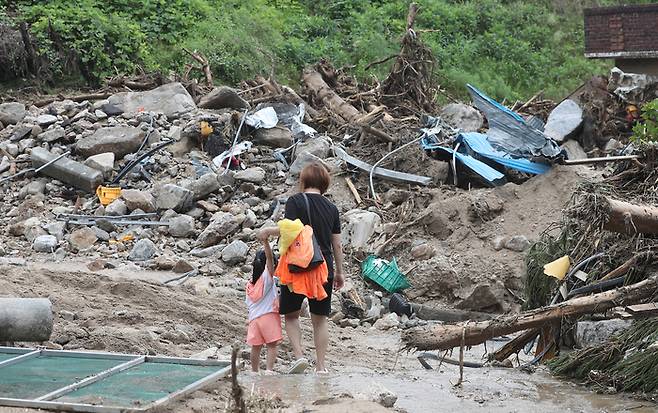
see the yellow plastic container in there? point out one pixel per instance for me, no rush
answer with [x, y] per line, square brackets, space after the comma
[107, 194]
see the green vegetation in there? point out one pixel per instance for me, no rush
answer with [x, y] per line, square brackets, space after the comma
[647, 131]
[509, 48]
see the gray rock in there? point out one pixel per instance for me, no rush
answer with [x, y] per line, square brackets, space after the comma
[235, 252]
[250, 219]
[52, 134]
[391, 320]
[574, 150]
[254, 175]
[100, 114]
[135, 199]
[422, 252]
[358, 227]
[171, 99]
[22, 132]
[82, 239]
[106, 225]
[564, 121]
[517, 243]
[12, 149]
[499, 242]
[181, 226]
[12, 113]
[4, 164]
[207, 252]
[33, 232]
[46, 120]
[464, 117]
[590, 333]
[203, 186]
[384, 397]
[223, 97]
[319, 146]
[301, 160]
[103, 162]
[33, 188]
[613, 145]
[276, 137]
[484, 297]
[120, 140]
[116, 207]
[143, 250]
[56, 229]
[101, 234]
[174, 197]
[222, 225]
[45, 243]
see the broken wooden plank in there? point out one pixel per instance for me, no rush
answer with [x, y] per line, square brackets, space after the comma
[627, 218]
[444, 337]
[352, 188]
[382, 172]
[643, 310]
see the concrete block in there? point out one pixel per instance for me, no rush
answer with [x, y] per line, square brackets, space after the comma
[67, 170]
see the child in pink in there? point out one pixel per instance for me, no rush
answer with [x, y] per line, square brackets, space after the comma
[263, 304]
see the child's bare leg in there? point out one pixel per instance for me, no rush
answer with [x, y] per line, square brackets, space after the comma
[255, 357]
[272, 350]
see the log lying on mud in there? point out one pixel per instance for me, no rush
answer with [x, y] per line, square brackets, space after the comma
[314, 82]
[626, 218]
[444, 337]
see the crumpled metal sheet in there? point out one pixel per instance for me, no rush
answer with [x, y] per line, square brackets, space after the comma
[633, 88]
[510, 133]
[479, 144]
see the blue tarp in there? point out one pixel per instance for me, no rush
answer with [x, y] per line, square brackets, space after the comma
[479, 144]
[510, 133]
[489, 174]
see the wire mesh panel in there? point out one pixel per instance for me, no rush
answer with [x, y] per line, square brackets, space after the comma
[40, 375]
[98, 382]
[139, 385]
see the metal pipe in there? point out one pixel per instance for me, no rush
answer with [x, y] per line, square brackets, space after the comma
[372, 171]
[25, 319]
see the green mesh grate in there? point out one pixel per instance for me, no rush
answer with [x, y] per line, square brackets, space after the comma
[139, 385]
[41, 375]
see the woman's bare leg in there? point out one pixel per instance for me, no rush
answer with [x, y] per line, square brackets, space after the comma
[271, 355]
[294, 332]
[320, 338]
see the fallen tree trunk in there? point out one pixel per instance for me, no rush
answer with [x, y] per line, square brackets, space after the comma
[314, 82]
[444, 337]
[627, 218]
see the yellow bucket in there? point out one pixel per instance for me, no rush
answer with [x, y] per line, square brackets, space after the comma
[107, 194]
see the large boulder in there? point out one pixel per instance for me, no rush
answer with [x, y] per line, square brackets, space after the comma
[222, 225]
[172, 99]
[12, 113]
[82, 239]
[223, 97]
[464, 117]
[358, 227]
[120, 140]
[45, 243]
[564, 121]
[174, 197]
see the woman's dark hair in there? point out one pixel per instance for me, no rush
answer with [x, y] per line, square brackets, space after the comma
[315, 175]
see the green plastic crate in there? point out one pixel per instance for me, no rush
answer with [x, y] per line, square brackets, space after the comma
[384, 273]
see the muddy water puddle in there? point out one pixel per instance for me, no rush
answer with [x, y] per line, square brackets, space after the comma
[486, 389]
[491, 390]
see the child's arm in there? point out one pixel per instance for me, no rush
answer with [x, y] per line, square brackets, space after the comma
[269, 257]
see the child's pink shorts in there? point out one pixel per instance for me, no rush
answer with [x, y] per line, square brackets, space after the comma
[265, 329]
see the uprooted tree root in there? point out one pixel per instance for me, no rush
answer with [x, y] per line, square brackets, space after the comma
[412, 73]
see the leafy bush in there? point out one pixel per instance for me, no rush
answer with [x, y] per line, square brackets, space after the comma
[647, 131]
[509, 48]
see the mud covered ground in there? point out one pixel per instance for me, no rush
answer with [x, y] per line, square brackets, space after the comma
[130, 311]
